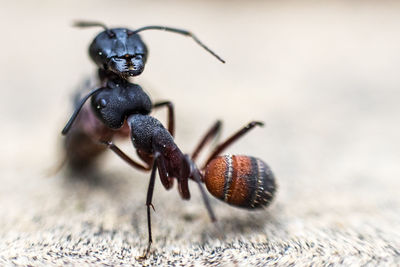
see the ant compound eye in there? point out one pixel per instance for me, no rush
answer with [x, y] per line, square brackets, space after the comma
[139, 57]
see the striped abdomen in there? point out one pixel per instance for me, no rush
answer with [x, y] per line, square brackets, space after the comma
[241, 181]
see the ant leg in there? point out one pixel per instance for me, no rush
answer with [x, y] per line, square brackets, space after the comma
[162, 172]
[149, 198]
[78, 108]
[125, 157]
[205, 197]
[171, 116]
[196, 175]
[232, 139]
[211, 133]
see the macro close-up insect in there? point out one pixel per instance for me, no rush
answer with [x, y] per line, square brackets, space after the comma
[122, 108]
[129, 141]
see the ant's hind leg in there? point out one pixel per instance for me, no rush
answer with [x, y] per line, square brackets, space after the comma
[197, 177]
[211, 133]
[205, 197]
[232, 139]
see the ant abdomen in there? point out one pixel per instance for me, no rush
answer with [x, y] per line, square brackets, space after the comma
[241, 181]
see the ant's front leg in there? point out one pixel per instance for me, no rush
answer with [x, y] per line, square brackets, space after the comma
[171, 115]
[125, 157]
[162, 171]
[149, 198]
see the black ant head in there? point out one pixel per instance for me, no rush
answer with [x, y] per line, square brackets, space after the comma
[120, 51]
[119, 100]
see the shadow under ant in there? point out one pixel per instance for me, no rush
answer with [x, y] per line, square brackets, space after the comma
[92, 178]
[242, 225]
[249, 223]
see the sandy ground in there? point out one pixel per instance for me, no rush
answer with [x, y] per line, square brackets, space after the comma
[324, 77]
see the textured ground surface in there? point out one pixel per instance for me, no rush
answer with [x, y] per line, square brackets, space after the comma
[324, 78]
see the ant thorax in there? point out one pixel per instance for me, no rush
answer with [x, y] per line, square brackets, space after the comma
[118, 100]
[149, 135]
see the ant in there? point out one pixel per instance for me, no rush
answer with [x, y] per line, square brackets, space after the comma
[121, 108]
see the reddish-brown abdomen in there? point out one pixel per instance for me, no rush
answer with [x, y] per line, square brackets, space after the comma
[241, 181]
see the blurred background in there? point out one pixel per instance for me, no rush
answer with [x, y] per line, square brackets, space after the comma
[322, 76]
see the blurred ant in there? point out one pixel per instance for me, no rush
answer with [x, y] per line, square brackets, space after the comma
[121, 51]
[121, 108]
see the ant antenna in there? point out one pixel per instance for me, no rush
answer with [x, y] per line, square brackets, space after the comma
[73, 117]
[87, 24]
[183, 32]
